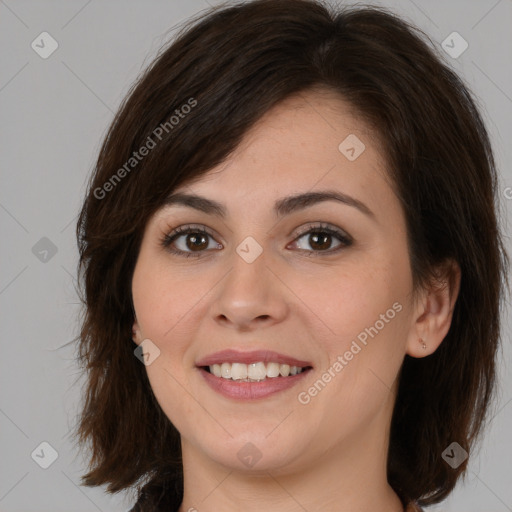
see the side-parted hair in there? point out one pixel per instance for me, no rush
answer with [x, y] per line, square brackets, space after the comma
[190, 109]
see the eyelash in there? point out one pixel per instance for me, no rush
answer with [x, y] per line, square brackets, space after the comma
[168, 239]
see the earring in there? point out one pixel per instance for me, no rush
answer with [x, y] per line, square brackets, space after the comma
[423, 344]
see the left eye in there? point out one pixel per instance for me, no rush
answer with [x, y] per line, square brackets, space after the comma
[322, 240]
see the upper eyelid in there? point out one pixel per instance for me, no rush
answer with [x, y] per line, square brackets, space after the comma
[326, 226]
[195, 224]
[318, 224]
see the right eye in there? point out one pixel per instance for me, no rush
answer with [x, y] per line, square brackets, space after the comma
[193, 241]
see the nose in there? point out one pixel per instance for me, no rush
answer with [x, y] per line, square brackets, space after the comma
[250, 296]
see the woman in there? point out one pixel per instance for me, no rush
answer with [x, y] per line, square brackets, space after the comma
[292, 269]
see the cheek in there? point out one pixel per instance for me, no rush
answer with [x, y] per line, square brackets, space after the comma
[353, 297]
[162, 299]
[367, 313]
[164, 302]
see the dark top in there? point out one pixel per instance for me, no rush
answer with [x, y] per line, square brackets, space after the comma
[159, 499]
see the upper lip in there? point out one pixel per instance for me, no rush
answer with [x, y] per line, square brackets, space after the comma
[254, 356]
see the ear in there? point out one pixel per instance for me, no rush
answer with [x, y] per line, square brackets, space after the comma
[136, 332]
[434, 310]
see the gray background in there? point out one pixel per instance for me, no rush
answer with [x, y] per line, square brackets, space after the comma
[54, 114]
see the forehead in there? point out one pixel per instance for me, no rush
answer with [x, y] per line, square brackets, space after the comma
[312, 140]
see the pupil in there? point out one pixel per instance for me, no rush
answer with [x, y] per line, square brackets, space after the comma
[197, 242]
[325, 237]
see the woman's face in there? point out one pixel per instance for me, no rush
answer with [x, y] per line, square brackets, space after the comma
[323, 281]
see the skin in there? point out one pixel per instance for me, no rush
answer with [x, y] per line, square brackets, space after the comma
[296, 298]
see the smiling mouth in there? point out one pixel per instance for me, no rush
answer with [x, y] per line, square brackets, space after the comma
[254, 372]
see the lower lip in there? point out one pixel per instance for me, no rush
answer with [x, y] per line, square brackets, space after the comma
[251, 390]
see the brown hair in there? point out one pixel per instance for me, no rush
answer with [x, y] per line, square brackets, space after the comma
[230, 67]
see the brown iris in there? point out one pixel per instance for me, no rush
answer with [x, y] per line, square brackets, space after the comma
[320, 241]
[197, 241]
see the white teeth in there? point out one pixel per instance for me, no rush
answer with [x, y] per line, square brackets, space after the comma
[284, 370]
[238, 371]
[272, 369]
[256, 371]
[253, 372]
[225, 370]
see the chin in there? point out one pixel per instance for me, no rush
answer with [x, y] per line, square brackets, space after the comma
[255, 452]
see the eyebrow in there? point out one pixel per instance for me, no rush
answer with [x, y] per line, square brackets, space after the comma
[282, 207]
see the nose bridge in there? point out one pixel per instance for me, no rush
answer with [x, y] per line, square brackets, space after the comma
[248, 279]
[248, 292]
